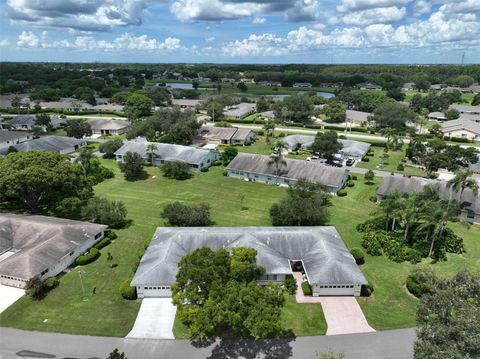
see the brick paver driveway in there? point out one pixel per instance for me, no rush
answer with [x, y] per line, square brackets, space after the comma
[343, 314]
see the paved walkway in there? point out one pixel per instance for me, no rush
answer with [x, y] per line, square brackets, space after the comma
[155, 319]
[343, 314]
[9, 295]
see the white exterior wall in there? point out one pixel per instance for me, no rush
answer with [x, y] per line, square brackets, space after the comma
[462, 133]
[160, 291]
[15, 141]
[470, 216]
[281, 181]
[69, 258]
[336, 290]
[57, 268]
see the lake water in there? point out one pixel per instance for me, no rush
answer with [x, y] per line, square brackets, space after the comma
[276, 97]
[184, 86]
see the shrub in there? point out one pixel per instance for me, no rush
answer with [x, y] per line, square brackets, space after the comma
[421, 281]
[260, 132]
[204, 169]
[228, 155]
[102, 210]
[400, 167]
[354, 177]
[357, 253]
[179, 214]
[290, 285]
[371, 242]
[91, 256]
[35, 288]
[110, 234]
[225, 172]
[217, 163]
[342, 192]
[307, 290]
[350, 183]
[282, 134]
[365, 159]
[373, 199]
[126, 291]
[51, 283]
[177, 170]
[103, 243]
[366, 290]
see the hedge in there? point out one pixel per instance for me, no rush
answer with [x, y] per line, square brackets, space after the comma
[51, 283]
[342, 192]
[354, 177]
[350, 183]
[365, 159]
[358, 254]
[110, 234]
[103, 243]
[126, 291]
[290, 285]
[91, 256]
[306, 289]
[457, 139]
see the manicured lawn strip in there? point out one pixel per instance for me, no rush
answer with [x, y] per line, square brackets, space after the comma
[390, 165]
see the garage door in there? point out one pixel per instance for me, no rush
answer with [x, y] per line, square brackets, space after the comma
[157, 292]
[334, 290]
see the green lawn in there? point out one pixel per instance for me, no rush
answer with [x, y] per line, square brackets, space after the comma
[391, 163]
[466, 97]
[66, 310]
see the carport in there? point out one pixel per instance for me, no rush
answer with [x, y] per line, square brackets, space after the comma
[155, 319]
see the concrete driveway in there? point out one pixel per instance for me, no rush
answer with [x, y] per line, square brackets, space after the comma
[8, 296]
[155, 319]
[344, 316]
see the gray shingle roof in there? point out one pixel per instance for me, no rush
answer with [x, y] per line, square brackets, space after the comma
[50, 143]
[350, 147]
[467, 199]
[39, 241]
[98, 124]
[241, 110]
[357, 116]
[12, 135]
[165, 151]
[466, 108]
[29, 120]
[220, 133]
[461, 124]
[324, 255]
[294, 169]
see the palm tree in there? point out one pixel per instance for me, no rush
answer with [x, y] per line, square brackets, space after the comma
[84, 157]
[410, 207]
[390, 207]
[277, 159]
[269, 128]
[461, 182]
[151, 147]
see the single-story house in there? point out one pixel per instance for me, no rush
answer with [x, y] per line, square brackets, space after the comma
[461, 128]
[302, 84]
[165, 152]
[468, 200]
[258, 168]
[267, 115]
[368, 86]
[408, 86]
[108, 126]
[269, 83]
[27, 122]
[439, 116]
[40, 245]
[12, 138]
[350, 148]
[241, 110]
[358, 117]
[225, 135]
[319, 252]
[186, 103]
[475, 110]
[59, 144]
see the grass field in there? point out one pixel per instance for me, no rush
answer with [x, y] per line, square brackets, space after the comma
[466, 97]
[391, 163]
[66, 310]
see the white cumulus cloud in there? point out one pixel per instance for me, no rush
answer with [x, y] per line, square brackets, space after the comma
[357, 5]
[375, 16]
[28, 39]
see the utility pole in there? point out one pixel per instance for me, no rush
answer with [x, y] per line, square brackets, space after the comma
[82, 273]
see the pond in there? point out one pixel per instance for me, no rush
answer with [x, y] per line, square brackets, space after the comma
[276, 97]
[184, 86]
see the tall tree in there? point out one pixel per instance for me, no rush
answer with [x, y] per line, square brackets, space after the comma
[78, 128]
[39, 180]
[326, 145]
[277, 159]
[132, 166]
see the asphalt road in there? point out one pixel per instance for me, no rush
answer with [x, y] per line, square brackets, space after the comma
[392, 344]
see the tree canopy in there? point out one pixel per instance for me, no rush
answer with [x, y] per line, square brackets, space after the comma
[326, 144]
[77, 128]
[306, 205]
[179, 214]
[40, 180]
[216, 294]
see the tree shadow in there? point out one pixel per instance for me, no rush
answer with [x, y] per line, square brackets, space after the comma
[251, 349]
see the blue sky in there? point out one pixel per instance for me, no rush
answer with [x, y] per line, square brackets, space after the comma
[240, 31]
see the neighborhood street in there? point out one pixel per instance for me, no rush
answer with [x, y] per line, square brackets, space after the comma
[391, 344]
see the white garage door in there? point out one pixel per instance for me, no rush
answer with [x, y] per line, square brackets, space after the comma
[157, 292]
[333, 290]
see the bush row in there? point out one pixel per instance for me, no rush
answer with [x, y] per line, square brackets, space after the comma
[91, 256]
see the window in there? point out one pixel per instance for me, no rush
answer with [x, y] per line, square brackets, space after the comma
[44, 272]
[98, 235]
[470, 214]
[71, 253]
